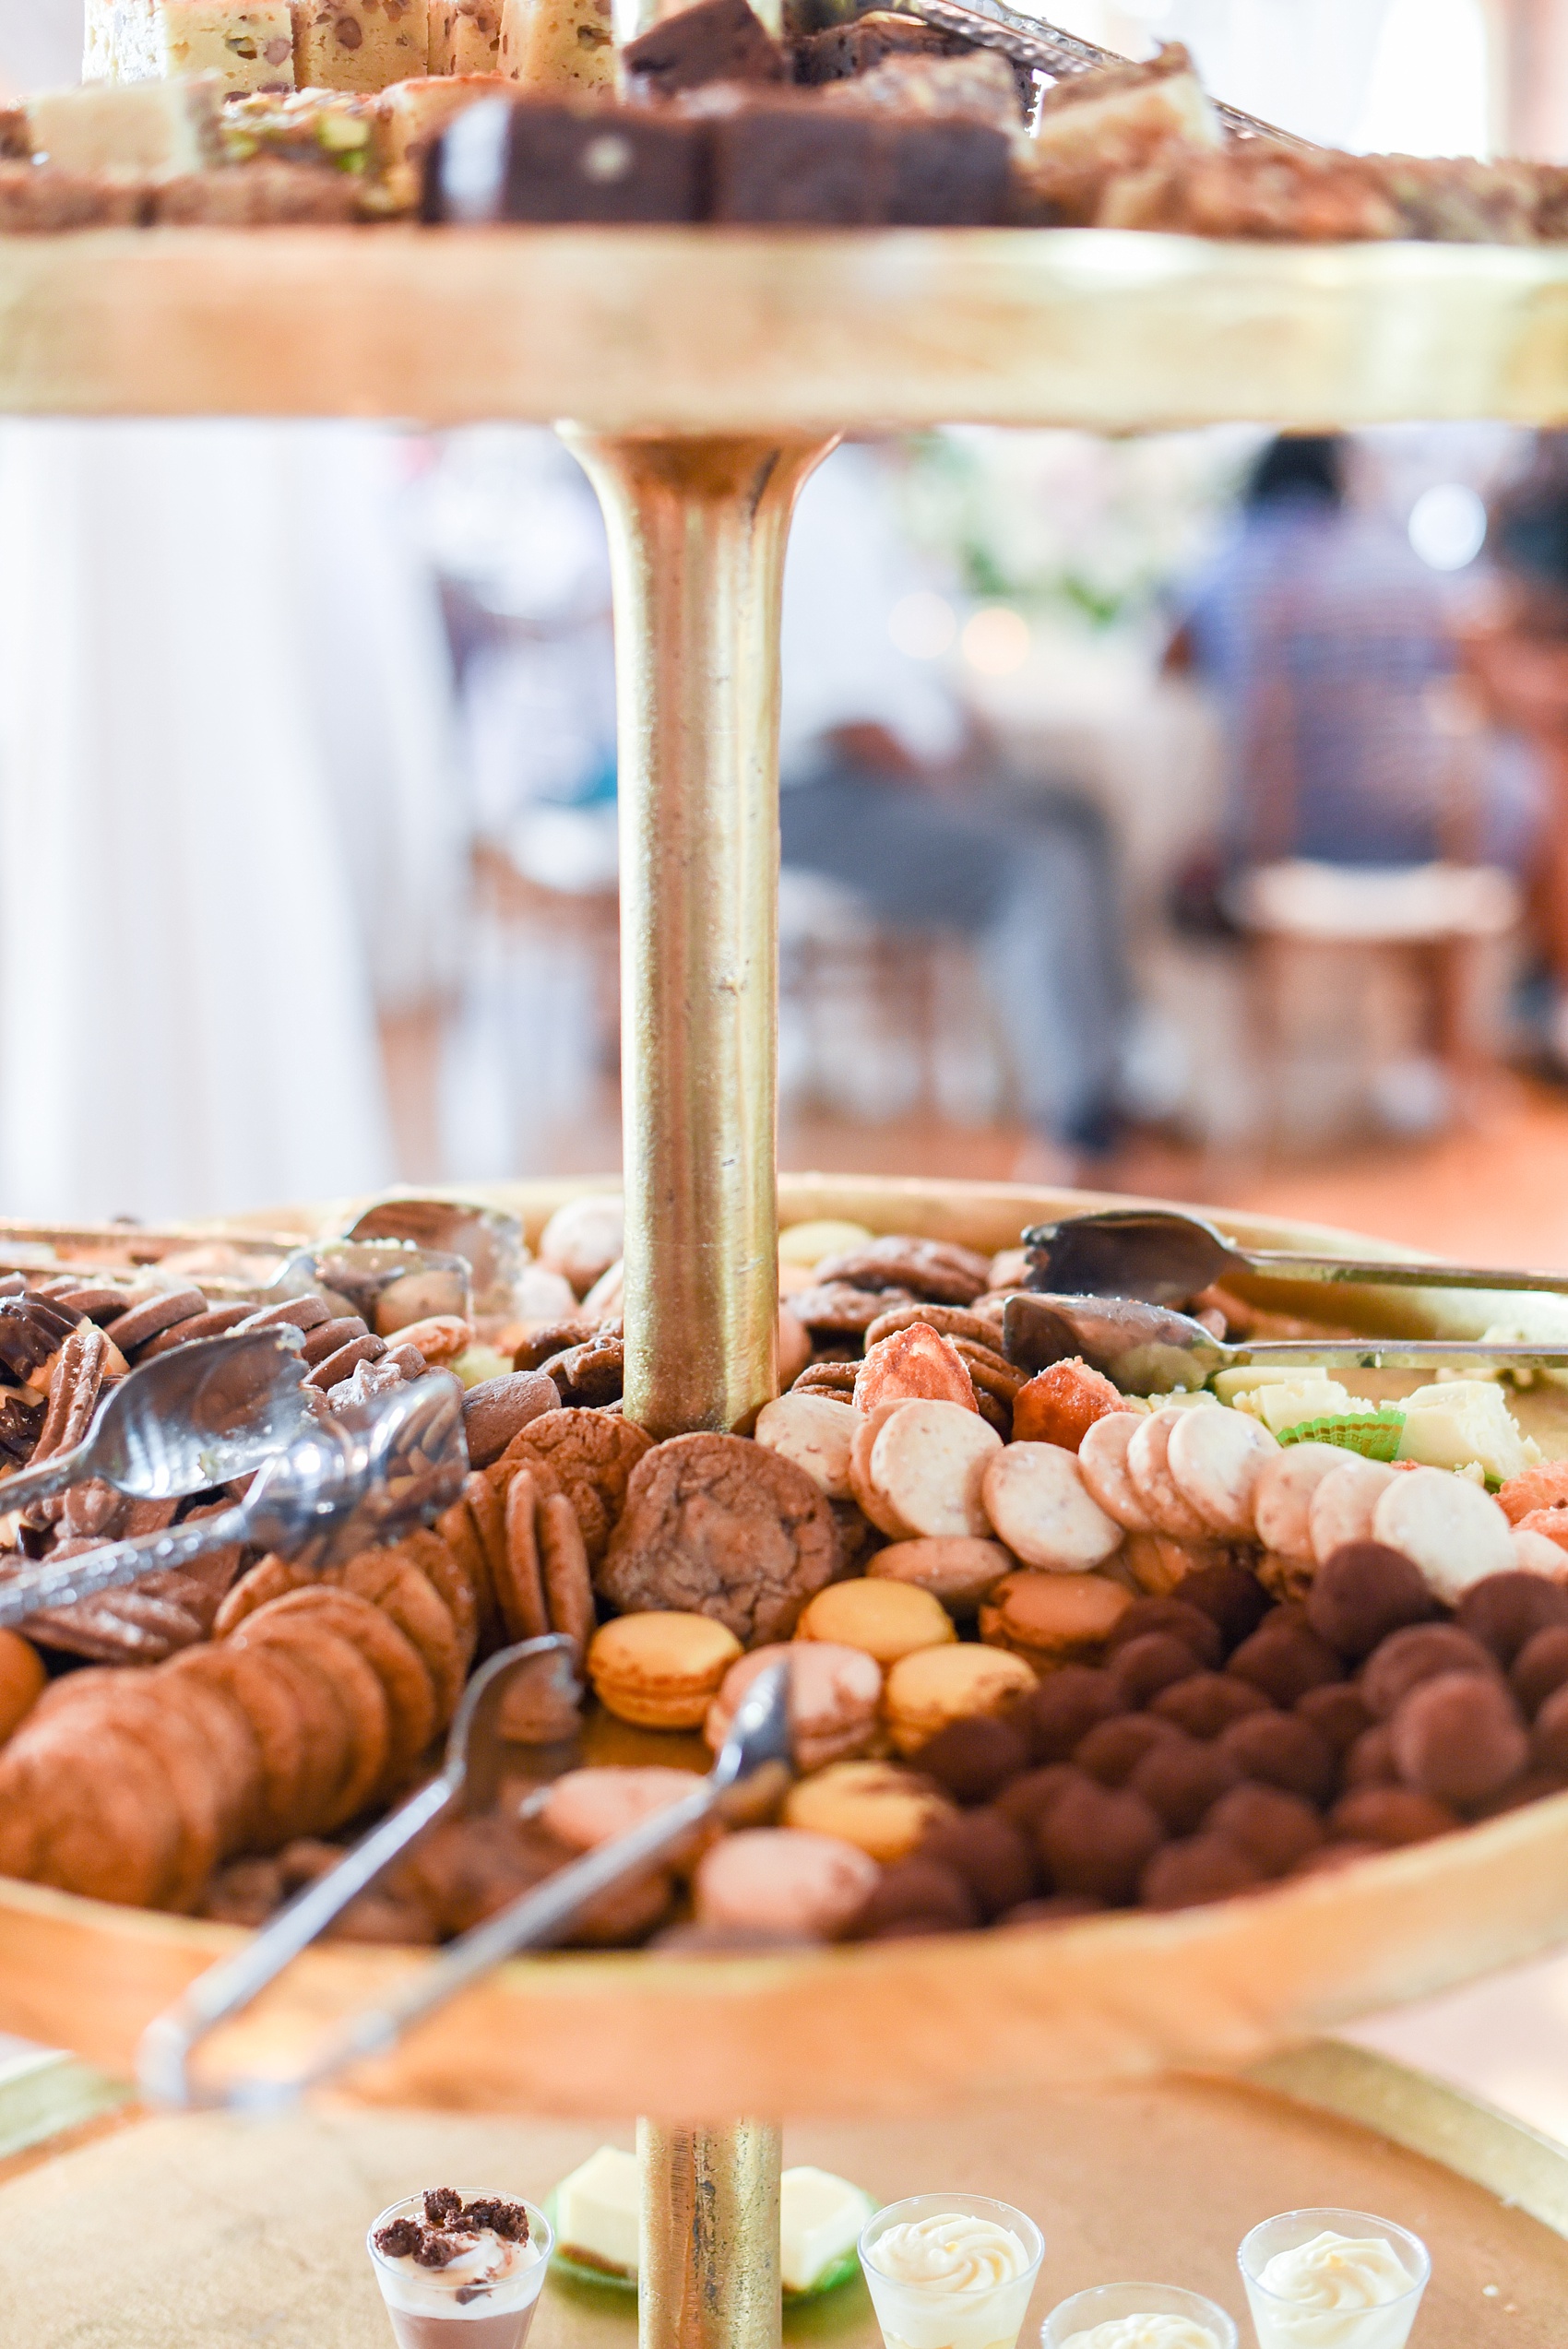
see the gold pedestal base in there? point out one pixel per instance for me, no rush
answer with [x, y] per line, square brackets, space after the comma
[709, 2257]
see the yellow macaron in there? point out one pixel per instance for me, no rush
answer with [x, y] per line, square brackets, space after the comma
[887, 1619]
[660, 1669]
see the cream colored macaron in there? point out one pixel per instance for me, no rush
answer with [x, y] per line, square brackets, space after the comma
[660, 1670]
[886, 1620]
[936, 1685]
[883, 1809]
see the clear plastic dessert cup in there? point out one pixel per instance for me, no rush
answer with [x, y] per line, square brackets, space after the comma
[951, 2271]
[1138, 2316]
[1332, 2279]
[464, 2304]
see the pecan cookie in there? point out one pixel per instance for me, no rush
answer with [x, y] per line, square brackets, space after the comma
[723, 1528]
[936, 1269]
[588, 1457]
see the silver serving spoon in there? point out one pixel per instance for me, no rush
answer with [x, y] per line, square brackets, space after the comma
[1147, 1349]
[344, 1484]
[1167, 1257]
[197, 1415]
[754, 1765]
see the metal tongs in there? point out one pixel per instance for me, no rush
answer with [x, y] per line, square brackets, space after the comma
[754, 1766]
[342, 1485]
[1045, 48]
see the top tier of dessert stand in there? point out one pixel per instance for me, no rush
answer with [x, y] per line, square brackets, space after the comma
[700, 375]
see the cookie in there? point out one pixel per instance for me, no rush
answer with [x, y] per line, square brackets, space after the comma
[1216, 1458]
[589, 1376]
[1053, 1618]
[460, 1531]
[1037, 1503]
[21, 1680]
[229, 1738]
[564, 1568]
[937, 1270]
[836, 1379]
[833, 1694]
[882, 1808]
[837, 1308]
[1148, 1467]
[1454, 1531]
[716, 1526]
[1061, 1403]
[122, 1704]
[266, 1697]
[321, 1628]
[1282, 1499]
[815, 1433]
[413, 1714]
[519, 1582]
[151, 1316]
[1545, 1487]
[111, 1831]
[958, 1570]
[955, 1322]
[934, 1686]
[660, 1670]
[453, 1586]
[1102, 1456]
[326, 1726]
[486, 1506]
[271, 1577]
[587, 1456]
[912, 1365]
[498, 1409]
[873, 1502]
[927, 1463]
[884, 1619]
[1342, 1507]
[390, 1581]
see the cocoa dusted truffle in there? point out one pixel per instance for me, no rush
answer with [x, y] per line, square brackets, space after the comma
[1097, 1840]
[1025, 1800]
[1459, 1738]
[1273, 1829]
[970, 1758]
[1540, 1668]
[1281, 1750]
[1534, 1786]
[1505, 1611]
[916, 1888]
[1198, 1868]
[1285, 1659]
[1154, 1662]
[1234, 1599]
[1330, 1857]
[1389, 1816]
[1406, 1658]
[1361, 1592]
[1549, 1740]
[1338, 1712]
[1370, 1761]
[1056, 1908]
[994, 1855]
[1183, 1779]
[1113, 1750]
[1189, 1624]
[1058, 1714]
[1207, 1704]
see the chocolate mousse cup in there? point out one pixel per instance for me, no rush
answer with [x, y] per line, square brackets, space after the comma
[454, 2307]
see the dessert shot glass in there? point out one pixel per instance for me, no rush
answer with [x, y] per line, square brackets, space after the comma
[1360, 2291]
[966, 2286]
[1189, 2321]
[426, 2305]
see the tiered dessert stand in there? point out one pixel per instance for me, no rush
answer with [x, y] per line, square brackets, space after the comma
[700, 375]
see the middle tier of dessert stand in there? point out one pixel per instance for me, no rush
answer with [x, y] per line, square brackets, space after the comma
[700, 376]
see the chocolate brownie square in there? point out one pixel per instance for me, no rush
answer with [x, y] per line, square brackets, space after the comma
[862, 45]
[711, 41]
[556, 162]
[795, 165]
[943, 173]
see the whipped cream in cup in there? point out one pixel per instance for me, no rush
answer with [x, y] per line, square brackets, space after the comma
[951, 2271]
[482, 2294]
[1332, 2279]
[1138, 2316]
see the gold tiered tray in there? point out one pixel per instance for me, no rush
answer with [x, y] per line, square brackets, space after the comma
[893, 2028]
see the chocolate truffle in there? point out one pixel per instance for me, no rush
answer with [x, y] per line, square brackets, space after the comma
[1056, 1908]
[1338, 1712]
[1023, 1800]
[1154, 1662]
[1198, 1868]
[1285, 1659]
[1329, 1858]
[920, 1888]
[1407, 1658]
[1370, 1761]
[1273, 1829]
[1548, 1742]
[1064, 1708]
[970, 1758]
[1113, 1750]
[1361, 1592]
[1281, 1750]
[1389, 1816]
[1459, 1738]
[1231, 1598]
[1540, 1668]
[1183, 1779]
[994, 1858]
[1207, 1704]
[1097, 1840]
[1534, 1786]
[1505, 1611]
[1189, 1624]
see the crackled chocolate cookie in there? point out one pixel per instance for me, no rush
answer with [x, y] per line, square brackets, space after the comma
[589, 1456]
[721, 1527]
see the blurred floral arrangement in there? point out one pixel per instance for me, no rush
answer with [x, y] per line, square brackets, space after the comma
[1067, 526]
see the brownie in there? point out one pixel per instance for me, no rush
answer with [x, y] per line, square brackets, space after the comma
[943, 173]
[560, 163]
[859, 46]
[794, 165]
[710, 41]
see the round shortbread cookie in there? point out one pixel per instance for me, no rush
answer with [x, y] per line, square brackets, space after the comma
[1035, 1499]
[928, 1465]
[874, 1504]
[156, 1720]
[1283, 1500]
[387, 1580]
[1341, 1508]
[1538, 1553]
[1149, 1466]
[308, 1623]
[1216, 1458]
[1102, 1459]
[438, 1564]
[271, 1577]
[101, 1816]
[459, 1530]
[563, 1567]
[246, 1677]
[325, 1727]
[815, 1433]
[397, 1665]
[1453, 1531]
[229, 1737]
[958, 1570]
[519, 1582]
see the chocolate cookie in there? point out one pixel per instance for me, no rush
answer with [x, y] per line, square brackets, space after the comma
[395, 1660]
[588, 1456]
[721, 1527]
[934, 1269]
[840, 1306]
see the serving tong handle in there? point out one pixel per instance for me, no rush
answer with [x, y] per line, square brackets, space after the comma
[1029, 41]
[756, 1757]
